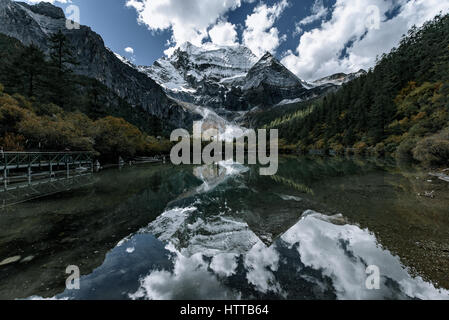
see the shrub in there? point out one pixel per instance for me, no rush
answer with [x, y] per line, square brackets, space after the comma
[433, 150]
[48, 109]
[23, 102]
[12, 142]
[301, 147]
[338, 148]
[379, 149]
[320, 144]
[394, 139]
[10, 116]
[405, 150]
[26, 124]
[360, 147]
[115, 137]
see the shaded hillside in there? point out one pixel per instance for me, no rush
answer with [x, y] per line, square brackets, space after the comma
[83, 94]
[47, 108]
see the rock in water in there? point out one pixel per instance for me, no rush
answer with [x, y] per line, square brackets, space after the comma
[27, 259]
[10, 260]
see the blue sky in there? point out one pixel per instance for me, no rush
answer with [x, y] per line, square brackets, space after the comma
[313, 38]
[118, 26]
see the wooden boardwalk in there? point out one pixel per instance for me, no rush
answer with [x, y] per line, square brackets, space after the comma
[22, 192]
[20, 167]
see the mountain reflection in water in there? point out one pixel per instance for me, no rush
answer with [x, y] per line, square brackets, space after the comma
[206, 245]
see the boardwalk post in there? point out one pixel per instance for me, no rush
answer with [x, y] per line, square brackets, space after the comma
[68, 168]
[29, 175]
[5, 177]
[5, 171]
[51, 170]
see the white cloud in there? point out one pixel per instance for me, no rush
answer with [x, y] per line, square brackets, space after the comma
[196, 21]
[318, 12]
[129, 50]
[51, 1]
[223, 33]
[298, 29]
[259, 35]
[188, 20]
[319, 52]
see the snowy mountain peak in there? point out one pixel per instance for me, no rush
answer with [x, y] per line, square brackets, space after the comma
[45, 9]
[225, 57]
[227, 78]
[205, 73]
[339, 79]
[270, 71]
[267, 56]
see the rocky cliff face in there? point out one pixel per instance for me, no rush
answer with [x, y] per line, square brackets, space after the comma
[35, 24]
[46, 9]
[269, 83]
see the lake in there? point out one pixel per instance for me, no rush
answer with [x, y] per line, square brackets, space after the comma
[312, 231]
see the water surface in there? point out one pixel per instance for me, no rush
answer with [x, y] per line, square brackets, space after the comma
[225, 232]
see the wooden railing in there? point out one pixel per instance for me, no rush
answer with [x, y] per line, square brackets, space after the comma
[13, 163]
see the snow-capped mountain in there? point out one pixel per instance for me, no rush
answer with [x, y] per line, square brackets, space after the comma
[339, 79]
[205, 76]
[268, 70]
[228, 78]
[190, 66]
[270, 83]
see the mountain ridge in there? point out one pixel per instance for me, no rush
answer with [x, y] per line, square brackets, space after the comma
[229, 78]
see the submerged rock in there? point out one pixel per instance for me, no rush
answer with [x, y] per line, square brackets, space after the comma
[27, 259]
[10, 260]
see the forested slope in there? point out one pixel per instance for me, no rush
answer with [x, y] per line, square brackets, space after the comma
[400, 107]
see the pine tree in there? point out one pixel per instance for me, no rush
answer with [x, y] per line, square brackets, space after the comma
[60, 79]
[61, 52]
[31, 65]
[25, 71]
[441, 66]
